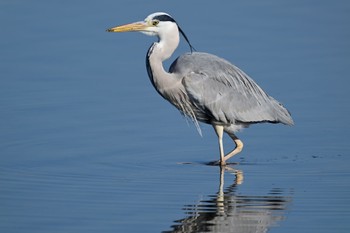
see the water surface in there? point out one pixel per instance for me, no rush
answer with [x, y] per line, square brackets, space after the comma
[87, 145]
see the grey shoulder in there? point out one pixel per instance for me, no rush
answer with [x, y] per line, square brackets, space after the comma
[198, 62]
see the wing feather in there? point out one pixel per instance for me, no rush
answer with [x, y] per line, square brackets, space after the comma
[225, 93]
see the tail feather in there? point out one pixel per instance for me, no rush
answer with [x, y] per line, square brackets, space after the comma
[282, 114]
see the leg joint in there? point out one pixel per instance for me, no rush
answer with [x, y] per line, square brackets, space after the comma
[239, 145]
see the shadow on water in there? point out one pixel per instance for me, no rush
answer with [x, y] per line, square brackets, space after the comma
[228, 211]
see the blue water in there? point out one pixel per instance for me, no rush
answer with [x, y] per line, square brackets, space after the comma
[87, 145]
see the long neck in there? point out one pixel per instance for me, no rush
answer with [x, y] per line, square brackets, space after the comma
[162, 81]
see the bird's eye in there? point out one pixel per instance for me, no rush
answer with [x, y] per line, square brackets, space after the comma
[155, 22]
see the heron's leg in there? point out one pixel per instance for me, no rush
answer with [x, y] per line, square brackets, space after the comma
[219, 130]
[239, 146]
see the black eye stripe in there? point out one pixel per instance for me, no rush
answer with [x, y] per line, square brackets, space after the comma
[164, 18]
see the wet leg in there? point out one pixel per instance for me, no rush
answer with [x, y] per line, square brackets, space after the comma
[239, 146]
[219, 130]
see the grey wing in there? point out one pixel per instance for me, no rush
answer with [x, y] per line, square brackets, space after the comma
[225, 93]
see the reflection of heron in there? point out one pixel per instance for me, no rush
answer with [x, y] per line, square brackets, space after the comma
[228, 212]
[204, 87]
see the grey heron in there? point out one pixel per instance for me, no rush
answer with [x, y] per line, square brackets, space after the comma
[203, 87]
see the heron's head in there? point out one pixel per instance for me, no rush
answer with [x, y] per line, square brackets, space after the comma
[158, 24]
[154, 25]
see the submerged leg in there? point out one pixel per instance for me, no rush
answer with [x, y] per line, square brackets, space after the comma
[219, 130]
[239, 146]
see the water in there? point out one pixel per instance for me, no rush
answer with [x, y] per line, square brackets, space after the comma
[87, 145]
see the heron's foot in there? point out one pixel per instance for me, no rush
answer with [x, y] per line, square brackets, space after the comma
[217, 163]
[222, 163]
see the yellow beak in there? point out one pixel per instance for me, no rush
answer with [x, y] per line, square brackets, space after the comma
[132, 27]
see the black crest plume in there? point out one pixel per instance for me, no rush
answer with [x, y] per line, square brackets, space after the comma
[169, 18]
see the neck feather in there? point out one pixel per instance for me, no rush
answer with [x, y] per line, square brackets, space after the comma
[162, 81]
